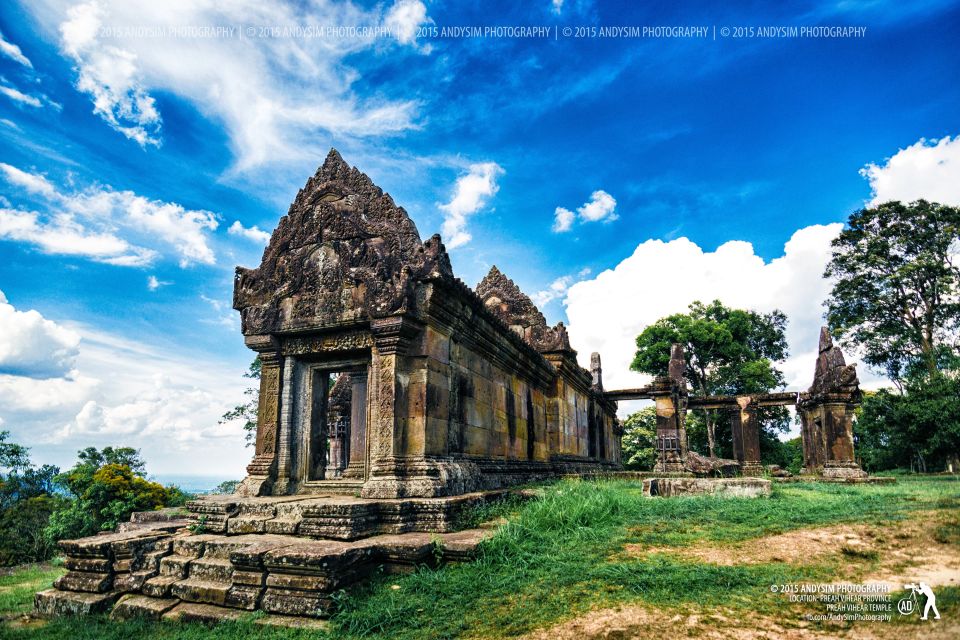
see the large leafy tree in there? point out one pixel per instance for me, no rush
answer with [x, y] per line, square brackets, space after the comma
[728, 351]
[896, 292]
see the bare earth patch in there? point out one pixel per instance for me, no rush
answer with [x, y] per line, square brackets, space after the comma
[896, 553]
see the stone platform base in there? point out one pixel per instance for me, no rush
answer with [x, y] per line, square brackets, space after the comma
[841, 480]
[283, 556]
[334, 516]
[726, 487]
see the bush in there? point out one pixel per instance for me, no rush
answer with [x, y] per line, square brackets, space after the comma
[107, 486]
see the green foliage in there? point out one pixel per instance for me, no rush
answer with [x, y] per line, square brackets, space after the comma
[247, 411]
[728, 352]
[107, 486]
[917, 429]
[26, 502]
[639, 438]
[896, 292]
[227, 487]
[562, 556]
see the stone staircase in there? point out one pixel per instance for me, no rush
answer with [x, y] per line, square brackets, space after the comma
[284, 556]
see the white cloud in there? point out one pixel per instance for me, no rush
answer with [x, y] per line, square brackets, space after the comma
[110, 75]
[606, 313]
[13, 52]
[556, 289]
[31, 182]
[65, 386]
[250, 233]
[556, 6]
[405, 17]
[469, 195]
[276, 96]
[19, 96]
[601, 206]
[32, 346]
[562, 220]
[86, 223]
[153, 283]
[930, 171]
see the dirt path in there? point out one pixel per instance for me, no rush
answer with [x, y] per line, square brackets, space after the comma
[895, 554]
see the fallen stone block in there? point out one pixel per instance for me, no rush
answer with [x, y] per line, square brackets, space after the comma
[54, 602]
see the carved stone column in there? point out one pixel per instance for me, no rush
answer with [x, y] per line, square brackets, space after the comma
[749, 440]
[357, 466]
[262, 470]
[838, 432]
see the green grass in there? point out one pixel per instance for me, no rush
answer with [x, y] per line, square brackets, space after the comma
[562, 555]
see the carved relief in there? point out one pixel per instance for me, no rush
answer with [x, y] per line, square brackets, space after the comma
[344, 252]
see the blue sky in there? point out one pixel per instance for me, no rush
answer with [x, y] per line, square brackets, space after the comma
[127, 158]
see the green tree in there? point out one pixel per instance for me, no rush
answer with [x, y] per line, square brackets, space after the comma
[248, 410]
[639, 437]
[106, 486]
[26, 502]
[896, 292]
[917, 429]
[729, 352]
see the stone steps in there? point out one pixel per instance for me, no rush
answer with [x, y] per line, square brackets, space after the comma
[203, 591]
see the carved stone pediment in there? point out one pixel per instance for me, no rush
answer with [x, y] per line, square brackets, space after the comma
[832, 374]
[345, 252]
[504, 299]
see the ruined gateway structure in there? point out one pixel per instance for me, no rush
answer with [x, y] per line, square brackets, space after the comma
[826, 412]
[392, 396]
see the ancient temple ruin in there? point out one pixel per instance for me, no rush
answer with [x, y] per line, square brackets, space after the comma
[826, 412]
[440, 389]
[392, 397]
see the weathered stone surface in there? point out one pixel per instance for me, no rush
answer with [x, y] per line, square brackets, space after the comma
[726, 487]
[84, 581]
[133, 606]
[714, 467]
[344, 252]
[502, 297]
[777, 471]
[54, 602]
[202, 613]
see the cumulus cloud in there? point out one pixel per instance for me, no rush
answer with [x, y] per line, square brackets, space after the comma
[272, 95]
[32, 346]
[556, 6]
[470, 194]
[601, 206]
[253, 233]
[65, 386]
[89, 222]
[12, 51]
[927, 170]
[607, 312]
[562, 219]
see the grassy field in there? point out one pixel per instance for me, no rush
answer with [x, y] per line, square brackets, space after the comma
[589, 546]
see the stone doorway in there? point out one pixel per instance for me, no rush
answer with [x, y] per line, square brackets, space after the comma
[335, 442]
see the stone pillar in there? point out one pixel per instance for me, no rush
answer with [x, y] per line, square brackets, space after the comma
[357, 466]
[749, 447]
[670, 396]
[262, 470]
[838, 432]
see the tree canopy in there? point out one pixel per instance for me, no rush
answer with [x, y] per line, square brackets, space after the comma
[728, 351]
[896, 292]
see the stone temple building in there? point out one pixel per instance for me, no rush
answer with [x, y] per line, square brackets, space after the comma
[384, 374]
